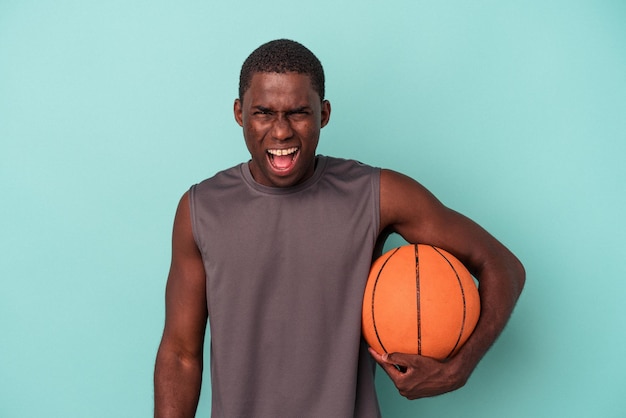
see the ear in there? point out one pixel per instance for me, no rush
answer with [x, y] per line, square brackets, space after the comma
[325, 113]
[238, 111]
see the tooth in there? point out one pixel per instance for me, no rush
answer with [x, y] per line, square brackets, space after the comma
[282, 151]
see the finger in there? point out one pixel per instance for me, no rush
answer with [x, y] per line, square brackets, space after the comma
[390, 367]
[382, 358]
[392, 370]
[375, 355]
[398, 359]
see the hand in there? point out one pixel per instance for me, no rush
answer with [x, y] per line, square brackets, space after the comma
[419, 377]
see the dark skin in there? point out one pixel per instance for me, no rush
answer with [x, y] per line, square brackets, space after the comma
[281, 116]
[281, 112]
[178, 370]
[410, 210]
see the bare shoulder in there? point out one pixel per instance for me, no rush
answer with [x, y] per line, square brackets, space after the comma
[187, 266]
[404, 202]
[182, 221]
[411, 210]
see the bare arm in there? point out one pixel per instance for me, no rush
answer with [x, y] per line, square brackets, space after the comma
[413, 212]
[178, 370]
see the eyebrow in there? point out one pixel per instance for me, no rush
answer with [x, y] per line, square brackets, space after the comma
[299, 109]
[263, 108]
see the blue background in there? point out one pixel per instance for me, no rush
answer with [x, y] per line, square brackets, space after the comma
[510, 112]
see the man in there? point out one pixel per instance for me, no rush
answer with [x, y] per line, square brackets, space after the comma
[275, 254]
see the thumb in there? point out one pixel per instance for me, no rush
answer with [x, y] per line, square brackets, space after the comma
[397, 360]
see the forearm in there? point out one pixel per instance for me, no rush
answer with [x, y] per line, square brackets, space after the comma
[500, 285]
[177, 382]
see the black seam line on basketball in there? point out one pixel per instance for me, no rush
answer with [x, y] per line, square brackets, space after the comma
[458, 340]
[418, 301]
[374, 298]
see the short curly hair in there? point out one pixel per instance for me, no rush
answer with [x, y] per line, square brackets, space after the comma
[282, 56]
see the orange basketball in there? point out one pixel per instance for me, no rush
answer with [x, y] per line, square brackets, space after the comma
[419, 299]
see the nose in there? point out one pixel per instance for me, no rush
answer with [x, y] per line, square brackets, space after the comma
[281, 129]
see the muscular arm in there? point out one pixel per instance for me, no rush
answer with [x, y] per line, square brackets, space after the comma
[413, 212]
[178, 370]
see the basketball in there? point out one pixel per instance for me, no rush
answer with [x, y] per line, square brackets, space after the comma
[419, 299]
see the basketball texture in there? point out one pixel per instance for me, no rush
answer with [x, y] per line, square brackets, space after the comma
[419, 299]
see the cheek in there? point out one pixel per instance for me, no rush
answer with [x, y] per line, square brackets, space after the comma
[252, 133]
[309, 130]
[252, 139]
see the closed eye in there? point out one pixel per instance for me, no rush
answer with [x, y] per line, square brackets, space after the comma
[262, 111]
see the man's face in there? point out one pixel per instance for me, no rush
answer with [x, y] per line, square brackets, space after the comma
[281, 116]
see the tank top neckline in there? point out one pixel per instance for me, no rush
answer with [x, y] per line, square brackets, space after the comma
[320, 167]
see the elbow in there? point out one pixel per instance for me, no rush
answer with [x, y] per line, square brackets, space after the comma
[519, 275]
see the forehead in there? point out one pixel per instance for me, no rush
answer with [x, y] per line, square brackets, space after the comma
[280, 87]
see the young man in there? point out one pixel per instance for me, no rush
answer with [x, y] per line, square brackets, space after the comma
[275, 253]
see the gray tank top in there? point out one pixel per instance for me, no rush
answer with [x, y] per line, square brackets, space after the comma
[286, 270]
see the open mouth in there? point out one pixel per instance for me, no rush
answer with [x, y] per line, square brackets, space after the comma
[283, 159]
